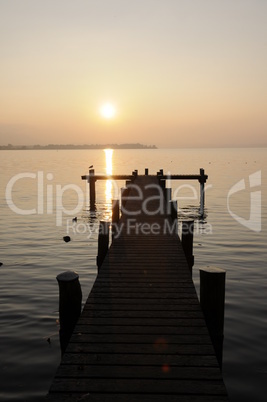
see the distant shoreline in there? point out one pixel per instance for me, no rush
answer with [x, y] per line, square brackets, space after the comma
[11, 147]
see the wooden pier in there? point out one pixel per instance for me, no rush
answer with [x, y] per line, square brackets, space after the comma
[142, 335]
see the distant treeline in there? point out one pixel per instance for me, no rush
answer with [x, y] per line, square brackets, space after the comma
[71, 146]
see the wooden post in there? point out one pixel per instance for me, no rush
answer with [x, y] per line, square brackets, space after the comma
[168, 197]
[174, 209]
[124, 194]
[115, 216]
[187, 241]
[212, 300]
[162, 184]
[202, 181]
[146, 171]
[134, 173]
[92, 189]
[103, 242]
[70, 299]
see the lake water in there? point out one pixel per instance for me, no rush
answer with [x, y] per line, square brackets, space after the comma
[40, 193]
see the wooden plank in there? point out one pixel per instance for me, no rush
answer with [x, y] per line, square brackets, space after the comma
[128, 329]
[94, 305]
[196, 322]
[133, 385]
[148, 302]
[141, 314]
[115, 397]
[140, 359]
[151, 339]
[160, 372]
[160, 347]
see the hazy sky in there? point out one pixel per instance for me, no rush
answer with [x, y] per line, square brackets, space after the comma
[178, 72]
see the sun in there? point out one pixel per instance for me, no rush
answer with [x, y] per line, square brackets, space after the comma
[108, 110]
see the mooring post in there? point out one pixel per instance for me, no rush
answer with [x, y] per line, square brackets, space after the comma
[187, 241]
[134, 173]
[70, 301]
[202, 181]
[146, 171]
[124, 194]
[174, 209]
[103, 242]
[168, 197]
[92, 189]
[115, 216]
[212, 301]
[173, 214]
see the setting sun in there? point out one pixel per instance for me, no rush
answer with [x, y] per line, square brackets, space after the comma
[108, 110]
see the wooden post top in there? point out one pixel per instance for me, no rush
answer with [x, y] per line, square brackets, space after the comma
[67, 276]
[213, 270]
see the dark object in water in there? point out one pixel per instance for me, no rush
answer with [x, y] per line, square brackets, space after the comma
[74, 219]
[1, 264]
[66, 239]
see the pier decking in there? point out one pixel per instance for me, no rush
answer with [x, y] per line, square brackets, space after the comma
[142, 335]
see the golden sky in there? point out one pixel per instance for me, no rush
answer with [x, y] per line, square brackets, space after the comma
[177, 72]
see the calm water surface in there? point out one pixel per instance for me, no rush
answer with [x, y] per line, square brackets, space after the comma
[232, 236]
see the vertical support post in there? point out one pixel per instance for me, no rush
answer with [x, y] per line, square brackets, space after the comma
[124, 194]
[146, 171]
[103, 242]
[187, 241]
[202, 181]
[173, 215]
[92, 189]
[212, 301]
[70, 300]
[168, 197]
[134, 173]
[162, 183]
[162, 187]
[174, 210]
[115, 216]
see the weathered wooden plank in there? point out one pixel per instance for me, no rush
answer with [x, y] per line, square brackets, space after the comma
[196, 322]
[111, 313]
[148, 295]
[154, 339]
[146, 289]
[148, 302]
[140, 359]
[160, 347]
[120, 306]
[140, 329]
[161, 372]
[131, 386]
[99, 283]
[140, 397]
